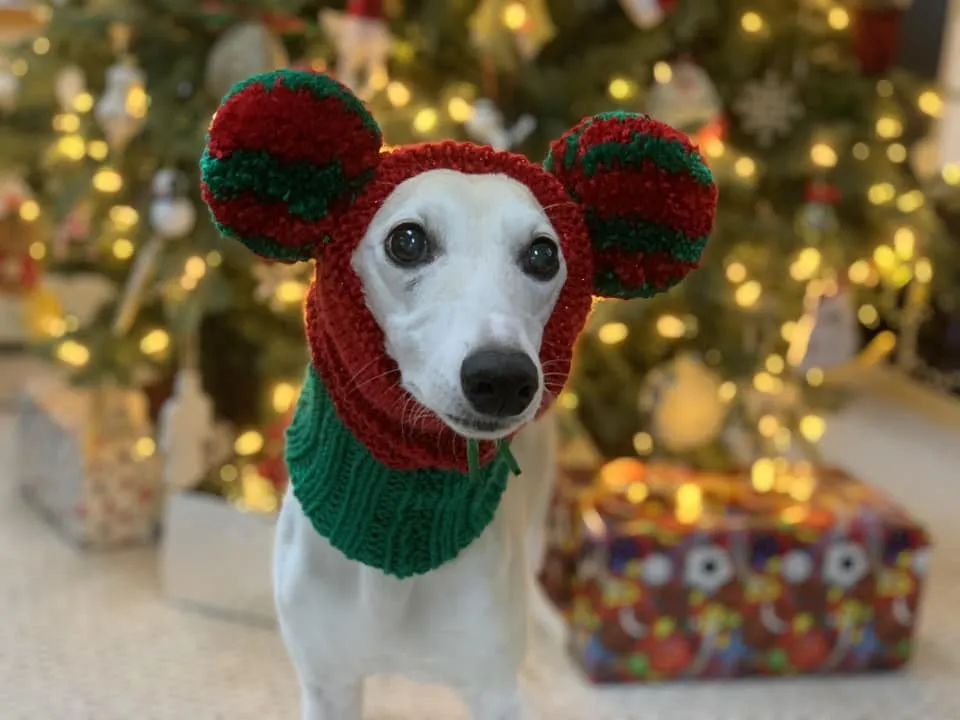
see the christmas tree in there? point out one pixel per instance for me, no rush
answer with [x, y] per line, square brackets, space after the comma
[796, 105]
[107, 108]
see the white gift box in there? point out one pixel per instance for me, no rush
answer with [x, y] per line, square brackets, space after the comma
[217, 557]
[99, 492]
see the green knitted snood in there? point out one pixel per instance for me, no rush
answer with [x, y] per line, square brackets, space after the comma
[403, 522]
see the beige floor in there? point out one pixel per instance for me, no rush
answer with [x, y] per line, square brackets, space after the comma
[85, 637]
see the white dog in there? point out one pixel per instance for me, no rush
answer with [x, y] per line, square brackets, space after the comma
[464, 624]
[451, 280]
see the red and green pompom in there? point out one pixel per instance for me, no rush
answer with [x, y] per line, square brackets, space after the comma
[286, 151]
[648, 197]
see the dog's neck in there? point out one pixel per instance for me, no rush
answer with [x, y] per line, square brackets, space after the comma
[403, 522]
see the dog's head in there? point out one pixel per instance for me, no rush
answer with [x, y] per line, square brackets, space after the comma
[474, 268]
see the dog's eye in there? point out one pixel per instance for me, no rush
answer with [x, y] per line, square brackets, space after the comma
[541, 259]
[408, 245]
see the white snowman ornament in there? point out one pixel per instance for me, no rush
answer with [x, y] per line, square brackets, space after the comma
[834, 336]
[172, 214]
[486, 124]
[363, 41]
[186, 428]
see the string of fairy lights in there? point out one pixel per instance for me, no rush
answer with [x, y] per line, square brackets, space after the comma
[895, 262]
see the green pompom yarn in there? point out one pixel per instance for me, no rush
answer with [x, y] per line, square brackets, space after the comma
[403, 522]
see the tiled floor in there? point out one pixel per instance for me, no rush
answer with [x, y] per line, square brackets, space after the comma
[88, 637]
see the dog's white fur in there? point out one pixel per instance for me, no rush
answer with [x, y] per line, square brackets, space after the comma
[466, 623]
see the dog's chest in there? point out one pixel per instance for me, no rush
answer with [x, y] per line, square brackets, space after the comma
[435, 627]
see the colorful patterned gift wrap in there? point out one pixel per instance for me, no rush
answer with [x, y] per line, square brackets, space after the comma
[87, 462]
[781, 570]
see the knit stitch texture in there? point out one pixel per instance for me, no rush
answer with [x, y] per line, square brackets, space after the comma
[403, 522]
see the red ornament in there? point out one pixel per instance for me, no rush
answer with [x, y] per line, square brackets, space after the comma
[876, 37]
[370, 9]
[808, 651]
[670, 656]
[823, 193]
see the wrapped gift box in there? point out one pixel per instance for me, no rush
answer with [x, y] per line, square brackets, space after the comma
[217, 547]
[684, 574]
[87, 462]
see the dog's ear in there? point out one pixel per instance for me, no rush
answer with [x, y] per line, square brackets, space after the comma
[287, 153]
[648, 198]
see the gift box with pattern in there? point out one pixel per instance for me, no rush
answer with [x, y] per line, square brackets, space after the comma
[686, 574]
[88, 463]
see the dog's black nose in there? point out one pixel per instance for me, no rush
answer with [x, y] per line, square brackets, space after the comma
[499, 383]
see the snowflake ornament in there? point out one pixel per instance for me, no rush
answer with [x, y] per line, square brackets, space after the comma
[768, 108]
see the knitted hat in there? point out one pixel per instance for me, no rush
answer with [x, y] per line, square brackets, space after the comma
[294, 170]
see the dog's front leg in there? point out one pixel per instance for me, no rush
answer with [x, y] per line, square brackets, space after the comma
[501, 706]
[334, 701]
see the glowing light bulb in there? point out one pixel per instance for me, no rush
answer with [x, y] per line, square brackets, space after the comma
[714, 148]
[122, 249]
[107, 180]
[137, 102]
[823, 155]
[670, 326]
[662, 72]
[72, 353]
[745, 167]
[838, 18]
[37, 250]
[155, 342]
[459, 109]
[195, 267]
[812, 427]
[98, 149]
[951, 174]
[283, 396]
[774, 364]
[868, 315]
[291, 292]
[814, 377]
[764, 382]
[884, 257]
[144, 448]
[613, 333]
[767, 426]
[930, 103]
[923, 270]
[896, 153]
[880, 193]
[806, 264]
[515, 16]
[41, 46]
[861, 151]
[904, 242]
[859, 272]
[29, 210]
[66, 123]
[248, 443]
[643, 443]
[425, 120]
[398, 94]
[83, 103]
[885, 88]
[620, 88]
[736, 272]
[72, 147]
[763, 475]
[751, 22]
[889, 127]
[727, 391]
[911, 201]
[569, 400]
[748, 294]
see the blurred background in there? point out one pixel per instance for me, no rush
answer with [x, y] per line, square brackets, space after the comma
[757, 474]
